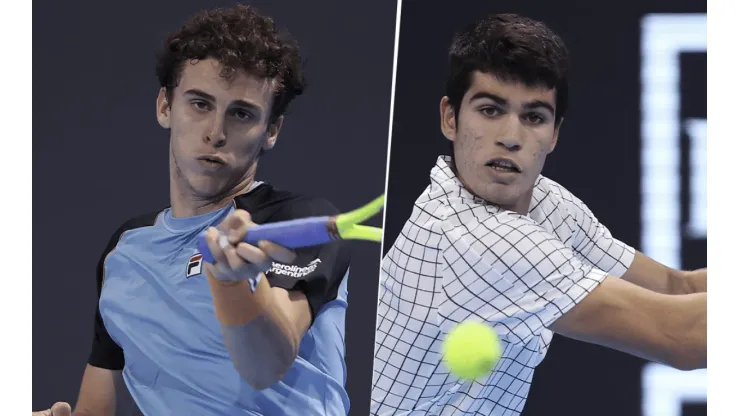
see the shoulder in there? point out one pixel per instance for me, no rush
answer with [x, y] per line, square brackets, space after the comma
[279, 205]
[554, 189]
[144, 220]
[139, 221]
[132, 223]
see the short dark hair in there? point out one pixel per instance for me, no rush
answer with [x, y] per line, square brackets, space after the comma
[240, 39]
[513, 48]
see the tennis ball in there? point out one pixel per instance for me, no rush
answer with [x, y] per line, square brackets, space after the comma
[471, 350]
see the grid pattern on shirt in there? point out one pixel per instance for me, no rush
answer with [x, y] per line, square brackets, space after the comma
[458, 258]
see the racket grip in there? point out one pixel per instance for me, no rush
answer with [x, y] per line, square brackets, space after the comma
[291, 234]
[303, 232]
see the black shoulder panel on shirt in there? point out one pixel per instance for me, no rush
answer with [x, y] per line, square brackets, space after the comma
[145, 220]
[105, 352]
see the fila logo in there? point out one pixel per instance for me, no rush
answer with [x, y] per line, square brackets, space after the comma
[195, 266]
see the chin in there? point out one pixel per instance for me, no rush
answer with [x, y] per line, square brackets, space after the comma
[505, 196]
[206, 186]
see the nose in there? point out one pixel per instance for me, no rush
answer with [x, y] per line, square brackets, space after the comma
[511, 134]
[216, 135]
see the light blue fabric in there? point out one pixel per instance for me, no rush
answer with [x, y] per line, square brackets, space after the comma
[176, 363]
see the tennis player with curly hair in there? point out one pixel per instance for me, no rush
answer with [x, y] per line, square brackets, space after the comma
[261, 330]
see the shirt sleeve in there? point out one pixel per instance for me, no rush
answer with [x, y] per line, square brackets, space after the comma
[510, 272]
[317, 271]
[595, 243]
[105, 353]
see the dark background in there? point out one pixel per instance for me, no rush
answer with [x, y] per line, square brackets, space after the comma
[100, 157]
[598, 156]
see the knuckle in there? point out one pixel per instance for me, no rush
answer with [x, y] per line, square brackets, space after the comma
[242, 215]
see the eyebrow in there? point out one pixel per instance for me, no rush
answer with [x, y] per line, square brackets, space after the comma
[532, 105]
[209, 97]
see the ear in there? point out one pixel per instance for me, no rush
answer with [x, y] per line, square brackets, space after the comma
[555, 136]
[447, 119]
[163, 109]
[272, 134]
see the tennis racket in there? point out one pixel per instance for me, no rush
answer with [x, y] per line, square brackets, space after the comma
[312, 231]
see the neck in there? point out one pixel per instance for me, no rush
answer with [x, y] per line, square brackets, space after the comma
[185, 203]
[522, 205]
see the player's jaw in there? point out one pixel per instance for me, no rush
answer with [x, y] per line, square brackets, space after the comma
[503, 181]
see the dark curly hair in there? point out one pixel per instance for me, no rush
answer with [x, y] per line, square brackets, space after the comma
[513, 48]
[240, 39]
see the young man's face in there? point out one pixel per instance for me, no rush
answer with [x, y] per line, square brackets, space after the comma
[218, 126]
[501, 137]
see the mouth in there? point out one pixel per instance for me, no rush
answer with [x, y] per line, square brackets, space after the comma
[503, 164]
[212, 160]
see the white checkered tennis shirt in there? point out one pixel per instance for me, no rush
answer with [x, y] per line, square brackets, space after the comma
[460, 258]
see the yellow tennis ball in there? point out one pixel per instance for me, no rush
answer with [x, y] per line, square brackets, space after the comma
[471, 350]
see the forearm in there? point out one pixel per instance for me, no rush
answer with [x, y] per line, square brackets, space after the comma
[687, 282]
[685, 331]
[670, 329]
[83, 412]
[97, 396]
[649, 274]
[256, 332]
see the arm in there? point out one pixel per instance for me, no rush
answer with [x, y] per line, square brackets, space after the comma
[98, 392]
[596, 244]
[668, 329]
[649, 274]
[97, 395]
[102, 374]
[263, 329]
[524, 280]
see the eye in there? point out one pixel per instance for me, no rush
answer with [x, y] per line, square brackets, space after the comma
[490, 111]
[534, 118]
[200, 105]
[242, 115]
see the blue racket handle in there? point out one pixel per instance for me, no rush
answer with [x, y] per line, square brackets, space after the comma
[303, 232]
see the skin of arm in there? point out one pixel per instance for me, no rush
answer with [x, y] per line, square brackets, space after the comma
[670, 329]
[262, 326]
[97, 395]
[649, 274]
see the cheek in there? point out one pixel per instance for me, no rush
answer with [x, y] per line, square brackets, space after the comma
[184, 128]
[470, 141]
[541, 151]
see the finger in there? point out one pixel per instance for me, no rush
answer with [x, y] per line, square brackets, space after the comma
[216, 245]
[61, 409]
[253, 254]
[234, 219]
[236, 225]
[42, 413]
[235, 262]
[277, 252]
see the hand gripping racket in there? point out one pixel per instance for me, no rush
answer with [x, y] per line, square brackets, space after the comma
[312, 231]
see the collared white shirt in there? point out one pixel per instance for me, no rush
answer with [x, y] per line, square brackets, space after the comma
[459, 258]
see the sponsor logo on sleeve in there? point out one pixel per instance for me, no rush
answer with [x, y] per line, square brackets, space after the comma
[290, 270]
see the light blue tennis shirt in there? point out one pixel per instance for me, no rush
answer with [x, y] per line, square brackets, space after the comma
[157, 307]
